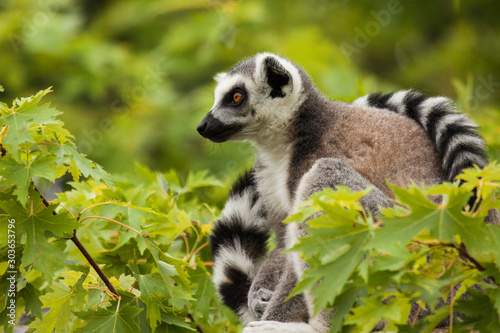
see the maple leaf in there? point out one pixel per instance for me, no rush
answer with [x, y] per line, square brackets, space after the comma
[365, 317]
[122, 320]
[21, 175]
[31, 297]
[24, 113]
[443, 222]
[337, 242]
[480, 311]
[79, 164]
[487, 180]
[38, 251]
[60, 311]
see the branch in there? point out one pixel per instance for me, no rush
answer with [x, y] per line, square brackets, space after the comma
[85, 253]
[114, 221]
[463, 252]
[190, 317]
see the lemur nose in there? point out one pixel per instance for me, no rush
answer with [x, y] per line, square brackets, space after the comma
[202, 126]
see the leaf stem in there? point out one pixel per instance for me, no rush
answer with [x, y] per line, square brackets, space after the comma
[187, 244]
[482, 207]
[415, 317]
[2, 132]
[190, 317]
[479, 190]
[463, 252]
[197, 250]
[461, 249]
[452, 296]
[111, 220]
[47, 144]
[86, 254]
[66, 208]
[97, 204]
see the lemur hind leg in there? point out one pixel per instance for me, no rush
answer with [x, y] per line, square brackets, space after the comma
[326, 172]
[265, 283]
[273, 276]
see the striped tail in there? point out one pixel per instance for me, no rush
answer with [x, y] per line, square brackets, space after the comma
[454, 134]
[239, 245]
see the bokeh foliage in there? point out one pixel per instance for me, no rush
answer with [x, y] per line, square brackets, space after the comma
[135, 77]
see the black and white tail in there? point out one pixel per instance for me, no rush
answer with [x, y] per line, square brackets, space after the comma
[239, 245]
[454, 134]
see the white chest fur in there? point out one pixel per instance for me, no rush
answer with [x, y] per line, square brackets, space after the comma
[272, 180]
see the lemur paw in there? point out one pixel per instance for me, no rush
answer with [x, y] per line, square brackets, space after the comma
[266, 326]
[258, 301]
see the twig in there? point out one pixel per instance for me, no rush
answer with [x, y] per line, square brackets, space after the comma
[206, 263]
[114, 221]
[190, 317]
[97, 204]
[461, 249]
[85, 253]
[66, 208]
[187, 244]
[450, 329]
[415, 317]
[480, 209]
[464, 253]
[198, 250]
[94, 264]
[2, 133]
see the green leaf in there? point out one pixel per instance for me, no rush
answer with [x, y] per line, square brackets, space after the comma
[493, 232]
[155, 292]
[480, 312]
[21, 175]
[201, 179]
[172, 319]
[435, 318]
[443, 221]
[343, 304]
[75, 172]
[66, 154]
[396, 311]
[32, 300]
[38, 251]
[205, 292]
[348, 236]
[21, 116]
[169, 267]
[103, 320]
[60, 311]
[487, 179]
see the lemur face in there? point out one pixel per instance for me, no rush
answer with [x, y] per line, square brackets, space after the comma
[255, 97]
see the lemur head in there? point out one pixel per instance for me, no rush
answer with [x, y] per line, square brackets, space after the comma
[254, 99]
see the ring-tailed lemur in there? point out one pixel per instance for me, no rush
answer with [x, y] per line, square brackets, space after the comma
[306, 143]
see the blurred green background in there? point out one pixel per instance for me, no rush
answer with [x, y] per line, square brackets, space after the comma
[134, 78]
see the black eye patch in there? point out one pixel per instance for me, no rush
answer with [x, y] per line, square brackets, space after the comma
[228, 99]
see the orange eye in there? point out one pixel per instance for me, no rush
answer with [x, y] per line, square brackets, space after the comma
[237, 97]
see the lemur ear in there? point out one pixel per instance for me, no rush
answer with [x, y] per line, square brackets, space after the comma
[219, 77]
[277, 77]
